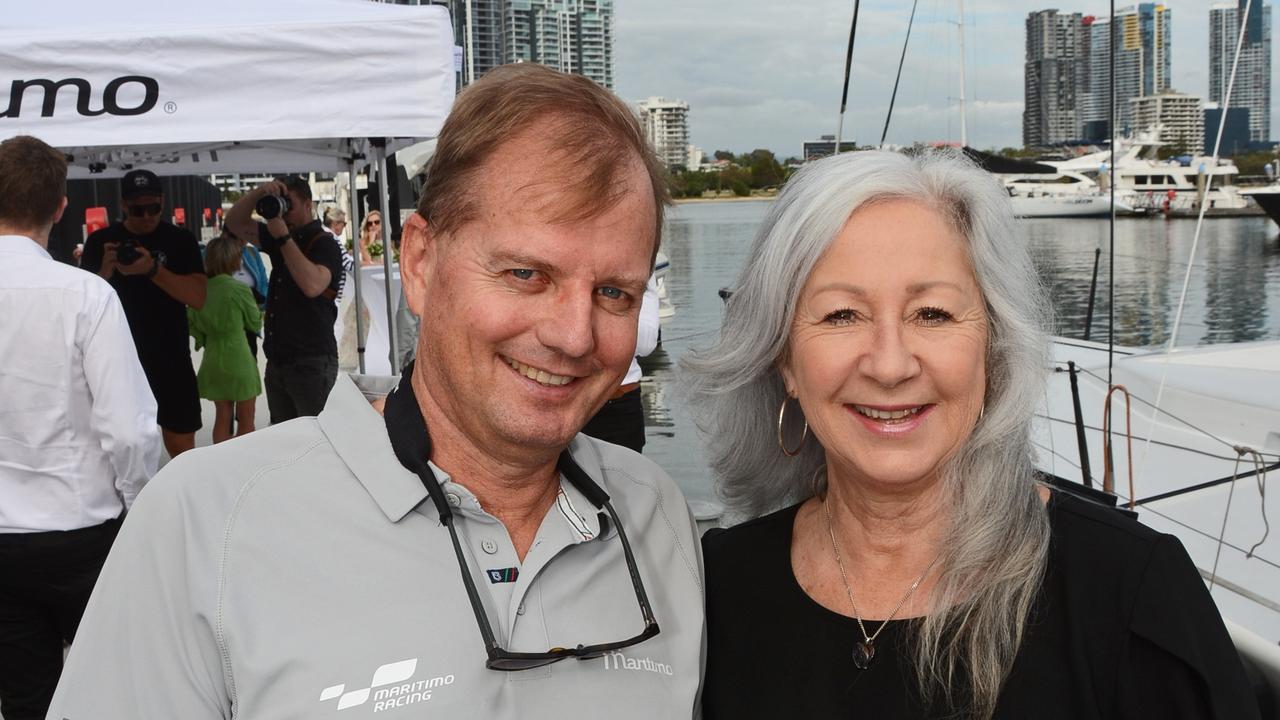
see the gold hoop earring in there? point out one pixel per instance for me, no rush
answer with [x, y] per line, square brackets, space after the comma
[782, 413]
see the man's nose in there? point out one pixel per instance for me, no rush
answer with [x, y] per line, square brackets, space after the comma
[568, 325]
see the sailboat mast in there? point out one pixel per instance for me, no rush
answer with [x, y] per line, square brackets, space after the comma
[964, 133]
[848, 66]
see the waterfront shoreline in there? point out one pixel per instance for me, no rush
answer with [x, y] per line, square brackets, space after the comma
[749, 198]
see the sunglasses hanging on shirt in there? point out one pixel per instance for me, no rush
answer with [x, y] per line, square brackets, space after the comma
[412, 445]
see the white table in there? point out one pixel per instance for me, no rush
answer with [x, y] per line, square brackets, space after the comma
[377, 346]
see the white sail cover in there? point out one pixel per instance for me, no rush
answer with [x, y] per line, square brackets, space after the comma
[231, 86]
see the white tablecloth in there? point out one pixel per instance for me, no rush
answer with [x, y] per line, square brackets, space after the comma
[377, 347]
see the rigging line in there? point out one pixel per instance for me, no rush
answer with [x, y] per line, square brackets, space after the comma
[1260, 476]
[898, 77]
[1156, 407]
[1195, 239]
[848, 65]
[1111, 185]
[1161, 443]
[1198, 531]
[1213, 574]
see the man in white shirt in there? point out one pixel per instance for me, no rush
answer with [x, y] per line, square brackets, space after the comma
[78, 435]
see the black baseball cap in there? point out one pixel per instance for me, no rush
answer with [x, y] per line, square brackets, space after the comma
[140, 182]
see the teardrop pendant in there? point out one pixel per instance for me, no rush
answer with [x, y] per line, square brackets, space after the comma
[863, 653]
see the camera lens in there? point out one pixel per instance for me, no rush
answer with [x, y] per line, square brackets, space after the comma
[272, 206]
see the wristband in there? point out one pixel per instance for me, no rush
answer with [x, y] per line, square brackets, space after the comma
[155, 267]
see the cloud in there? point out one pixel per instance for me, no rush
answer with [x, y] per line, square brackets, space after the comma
[763, 73]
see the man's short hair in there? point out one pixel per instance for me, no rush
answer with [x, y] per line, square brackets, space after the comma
[33, 181]
[297, 184]
[596, 135]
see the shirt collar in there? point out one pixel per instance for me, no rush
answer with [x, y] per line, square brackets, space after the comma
[359, 436]
[22, 245]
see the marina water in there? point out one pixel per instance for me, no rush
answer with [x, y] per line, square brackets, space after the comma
[1233, 296]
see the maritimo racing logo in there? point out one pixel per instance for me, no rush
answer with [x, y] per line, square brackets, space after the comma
[111, 104]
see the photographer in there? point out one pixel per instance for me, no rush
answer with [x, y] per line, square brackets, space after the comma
[157, 271]
[306, 272]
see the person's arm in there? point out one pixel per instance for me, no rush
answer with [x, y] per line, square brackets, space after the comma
[311, 278]
[124, 412]
[647, 329]
[148, 647]
[1178, 661]
[239, 217]
[195, 327]
[249, 308]
[188, 289]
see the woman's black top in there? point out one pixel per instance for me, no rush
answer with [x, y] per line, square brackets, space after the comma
[1123, 628]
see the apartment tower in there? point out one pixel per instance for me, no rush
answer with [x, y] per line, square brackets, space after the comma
[1252, 88]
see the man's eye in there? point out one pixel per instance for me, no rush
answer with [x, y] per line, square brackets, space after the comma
[522, 274]
[612, 293]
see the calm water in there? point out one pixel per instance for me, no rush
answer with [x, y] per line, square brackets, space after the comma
[1234, 295]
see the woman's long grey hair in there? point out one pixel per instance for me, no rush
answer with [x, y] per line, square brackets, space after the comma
[995, 549]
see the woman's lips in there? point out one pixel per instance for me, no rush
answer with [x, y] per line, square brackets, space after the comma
[891, 420]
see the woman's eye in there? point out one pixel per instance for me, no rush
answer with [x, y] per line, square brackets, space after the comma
[933, 315]
[522, 274]
[840, 317]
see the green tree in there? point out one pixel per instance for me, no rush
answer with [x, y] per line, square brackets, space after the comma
[723, 155]
[740, 188]
[765, 169]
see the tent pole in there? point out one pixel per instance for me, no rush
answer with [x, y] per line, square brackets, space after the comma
[384, 202]
[354, 224]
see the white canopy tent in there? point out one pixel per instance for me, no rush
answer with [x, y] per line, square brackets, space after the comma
[238, 86]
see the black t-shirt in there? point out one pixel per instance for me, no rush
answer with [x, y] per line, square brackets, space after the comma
[158, 321]
[298, 326]
[1123, 628]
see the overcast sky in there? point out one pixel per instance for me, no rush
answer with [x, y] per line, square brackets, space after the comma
[767, 73]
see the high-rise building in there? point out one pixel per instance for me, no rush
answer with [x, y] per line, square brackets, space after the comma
[1093, 93]
[1179, 117]
[666, 124]
[1142, 66]
[1252, 87]
[574, 36]
[1142, 58]
[1053, 75]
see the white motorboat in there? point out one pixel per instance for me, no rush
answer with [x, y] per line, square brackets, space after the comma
[1148, 185]
[1049, 205]
[1218, 418]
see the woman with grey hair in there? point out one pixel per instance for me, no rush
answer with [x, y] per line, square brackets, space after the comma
[876, 376]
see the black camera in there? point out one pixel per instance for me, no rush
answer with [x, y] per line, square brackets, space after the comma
[272, 206]
[127, 252]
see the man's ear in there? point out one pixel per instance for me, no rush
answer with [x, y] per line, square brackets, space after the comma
[61, 209]
[419, 248]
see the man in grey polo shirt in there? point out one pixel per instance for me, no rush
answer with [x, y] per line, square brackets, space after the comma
[435, 552]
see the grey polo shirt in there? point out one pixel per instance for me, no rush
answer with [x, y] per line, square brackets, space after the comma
[298, 573]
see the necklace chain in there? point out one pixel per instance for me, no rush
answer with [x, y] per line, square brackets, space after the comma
[835, 546]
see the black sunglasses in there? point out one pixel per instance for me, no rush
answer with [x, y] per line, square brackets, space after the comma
[412, 445]
[142, 210]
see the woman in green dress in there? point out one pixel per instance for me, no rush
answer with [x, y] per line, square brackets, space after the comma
[228, 372]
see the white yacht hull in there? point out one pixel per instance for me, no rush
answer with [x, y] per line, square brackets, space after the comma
[1051, 206]
[1229, 391]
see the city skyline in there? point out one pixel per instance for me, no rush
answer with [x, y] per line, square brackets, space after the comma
[758, 74]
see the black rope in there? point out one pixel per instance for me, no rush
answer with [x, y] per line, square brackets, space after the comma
[1111, 252]
[898, 77]
[848, 59]
[1209, 483]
